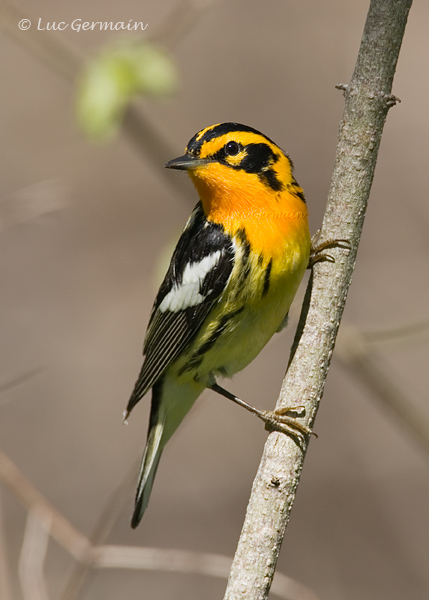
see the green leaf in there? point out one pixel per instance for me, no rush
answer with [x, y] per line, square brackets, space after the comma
[114, 77]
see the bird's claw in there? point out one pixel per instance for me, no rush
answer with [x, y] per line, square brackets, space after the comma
[317, 250]
[285, 421]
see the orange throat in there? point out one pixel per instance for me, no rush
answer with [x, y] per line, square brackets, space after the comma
[268, 217]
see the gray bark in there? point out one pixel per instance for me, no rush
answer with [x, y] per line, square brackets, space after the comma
[367, 101]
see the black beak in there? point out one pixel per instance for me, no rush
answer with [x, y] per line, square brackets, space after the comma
[186, 162]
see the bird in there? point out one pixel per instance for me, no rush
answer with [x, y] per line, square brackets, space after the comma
[229, 286]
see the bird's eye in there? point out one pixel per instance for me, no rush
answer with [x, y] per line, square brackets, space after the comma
[232, 148]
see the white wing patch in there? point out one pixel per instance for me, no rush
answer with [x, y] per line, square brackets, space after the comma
[187, 293]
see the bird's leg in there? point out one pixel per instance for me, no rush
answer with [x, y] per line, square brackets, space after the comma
[275, 420]
[317, 253]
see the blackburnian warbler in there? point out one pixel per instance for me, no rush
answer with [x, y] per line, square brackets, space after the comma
[230, 283]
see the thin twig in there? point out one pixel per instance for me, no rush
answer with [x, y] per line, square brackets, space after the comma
[109, 515]
[398, 334]
[43, 520]
[154, 148]
[67, 63]
[20, 379]
[180, 21]
[361, 360]
[46, 47]
[181, 561]
[61, 530]
[5, 587]
[368, 98]
[33, 552]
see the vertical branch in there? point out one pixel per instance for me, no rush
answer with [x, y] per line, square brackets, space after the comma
[367, 101]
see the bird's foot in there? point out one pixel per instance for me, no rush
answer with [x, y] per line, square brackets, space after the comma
[317, 252]
[285, 420]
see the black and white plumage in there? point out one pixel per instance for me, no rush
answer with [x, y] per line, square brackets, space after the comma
[198, 273]
[229, 286]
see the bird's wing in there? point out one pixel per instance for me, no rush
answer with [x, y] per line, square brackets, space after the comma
[198, 273]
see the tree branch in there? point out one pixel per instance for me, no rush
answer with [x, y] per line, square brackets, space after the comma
[44, 521]
[368, 99]
[67, 63]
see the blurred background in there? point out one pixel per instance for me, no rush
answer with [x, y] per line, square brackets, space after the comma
[85, 229]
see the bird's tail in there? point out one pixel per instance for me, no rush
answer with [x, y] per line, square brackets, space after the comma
[151, 455]
[170, 403]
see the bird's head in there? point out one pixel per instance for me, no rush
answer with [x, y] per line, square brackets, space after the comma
[231, 157]
[231, 162]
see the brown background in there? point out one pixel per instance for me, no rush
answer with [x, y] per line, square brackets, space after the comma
[84, 229]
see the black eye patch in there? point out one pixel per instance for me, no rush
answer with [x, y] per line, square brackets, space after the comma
[258, 158]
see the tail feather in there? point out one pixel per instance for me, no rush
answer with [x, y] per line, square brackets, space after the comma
[149, 465]
[170, 403]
